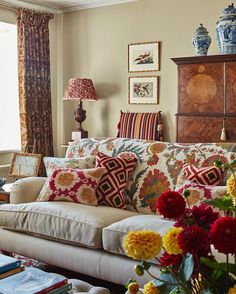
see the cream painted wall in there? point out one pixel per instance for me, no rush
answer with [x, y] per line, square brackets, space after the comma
[95, 45]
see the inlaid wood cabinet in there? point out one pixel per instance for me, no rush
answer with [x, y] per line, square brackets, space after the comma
[206, 98]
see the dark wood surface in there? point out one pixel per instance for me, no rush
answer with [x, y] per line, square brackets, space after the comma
[205, 59]
[206, 96]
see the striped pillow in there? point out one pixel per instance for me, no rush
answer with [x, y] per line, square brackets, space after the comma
[145, 126]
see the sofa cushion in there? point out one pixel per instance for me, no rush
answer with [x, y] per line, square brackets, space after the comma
[113, 235]
[209, 175]
[110, 190]
[74, 185]
[64, 221]
[51, 163]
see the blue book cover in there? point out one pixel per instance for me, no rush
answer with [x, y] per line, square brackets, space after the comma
[8, 263]
[31, 281]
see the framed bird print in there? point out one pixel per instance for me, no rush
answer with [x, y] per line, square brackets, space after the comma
[143, 90]
[144, 57]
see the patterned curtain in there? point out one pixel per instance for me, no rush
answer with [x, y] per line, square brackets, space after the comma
[34, 80]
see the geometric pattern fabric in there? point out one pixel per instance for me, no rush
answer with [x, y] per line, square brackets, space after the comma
[206, 175]
[110, 191]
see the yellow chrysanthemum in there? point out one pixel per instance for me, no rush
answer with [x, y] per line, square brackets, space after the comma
[170, 241]
[232, 290]
[150, 288]
[142, 245]
[231, 189]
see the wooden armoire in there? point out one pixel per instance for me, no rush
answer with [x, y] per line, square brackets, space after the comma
[206, 98]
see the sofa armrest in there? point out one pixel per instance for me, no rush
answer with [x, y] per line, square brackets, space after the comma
[26, 190]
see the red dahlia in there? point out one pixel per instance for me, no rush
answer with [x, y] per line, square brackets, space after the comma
[171, 204]
[204, 215]
[194, 240]
[223, 234]
[170, 259]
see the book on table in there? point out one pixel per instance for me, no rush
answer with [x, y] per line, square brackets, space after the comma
[12, 272]
[62, 290]
[8, 263]
[32, 281]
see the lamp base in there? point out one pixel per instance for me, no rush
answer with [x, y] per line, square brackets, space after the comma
[83, 133]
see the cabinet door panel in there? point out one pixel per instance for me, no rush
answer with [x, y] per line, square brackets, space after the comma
[201, 88]
[197, 129]
[230, 70]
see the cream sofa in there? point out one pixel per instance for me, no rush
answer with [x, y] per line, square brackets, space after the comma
[88, 239]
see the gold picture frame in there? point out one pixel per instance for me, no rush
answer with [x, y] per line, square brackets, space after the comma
[144, 56]
[144, 90]
[25, 165]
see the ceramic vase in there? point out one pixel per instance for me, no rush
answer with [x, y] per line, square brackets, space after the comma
[226, 30]
[201, 40]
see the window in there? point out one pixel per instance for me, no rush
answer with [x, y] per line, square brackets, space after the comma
[9, 98]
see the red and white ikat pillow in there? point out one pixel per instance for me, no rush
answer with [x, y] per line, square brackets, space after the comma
[211, 175]
[111, 188]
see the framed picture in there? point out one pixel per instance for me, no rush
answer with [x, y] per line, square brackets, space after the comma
[25, 164]
[143, 90]
[143, 57]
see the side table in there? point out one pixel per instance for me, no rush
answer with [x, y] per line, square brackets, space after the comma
[4, 196]
[5, 193]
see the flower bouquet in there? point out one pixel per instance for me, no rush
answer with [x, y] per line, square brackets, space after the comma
[188, 264]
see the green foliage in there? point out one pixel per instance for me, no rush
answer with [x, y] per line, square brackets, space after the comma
[186, 268]
[225, 203]
[219, 266]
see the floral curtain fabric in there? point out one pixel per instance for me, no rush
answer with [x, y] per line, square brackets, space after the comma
[34, 80]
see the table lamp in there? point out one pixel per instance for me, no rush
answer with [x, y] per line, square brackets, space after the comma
[80, 89]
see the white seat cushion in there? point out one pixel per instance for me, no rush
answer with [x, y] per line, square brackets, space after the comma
[113, 235]
[69, 222]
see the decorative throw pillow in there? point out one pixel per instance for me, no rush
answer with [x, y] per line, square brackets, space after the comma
[51, 163]
[211, 175]
[199, 193]
[74, 185]
[110, 191]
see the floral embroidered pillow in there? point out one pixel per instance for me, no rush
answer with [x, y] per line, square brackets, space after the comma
[51, 163]
[110, 191]
[199, 193]
[74, 185]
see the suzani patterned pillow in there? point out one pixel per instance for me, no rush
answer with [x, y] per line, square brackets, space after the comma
[74, 185]
[51, 163]
[199, 193]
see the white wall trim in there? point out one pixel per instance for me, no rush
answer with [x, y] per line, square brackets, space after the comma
[96, 3]
[20, 4]
[83, 4]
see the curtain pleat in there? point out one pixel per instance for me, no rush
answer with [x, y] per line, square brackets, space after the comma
[34, 80]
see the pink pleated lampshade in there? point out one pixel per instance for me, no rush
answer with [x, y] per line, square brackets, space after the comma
[80, 89]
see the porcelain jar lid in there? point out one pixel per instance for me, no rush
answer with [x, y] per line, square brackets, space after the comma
[229, 11]
[201, 30]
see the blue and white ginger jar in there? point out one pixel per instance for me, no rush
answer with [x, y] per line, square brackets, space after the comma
[226, 31]
[201, 40]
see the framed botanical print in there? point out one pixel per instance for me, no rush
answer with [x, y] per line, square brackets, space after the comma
[143, 57]
[25, 165]
[143, 90]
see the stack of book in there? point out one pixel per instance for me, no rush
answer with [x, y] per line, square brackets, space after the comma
[9, 266]
[29, 280]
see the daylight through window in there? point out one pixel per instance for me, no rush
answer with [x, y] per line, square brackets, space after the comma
[9, 99]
